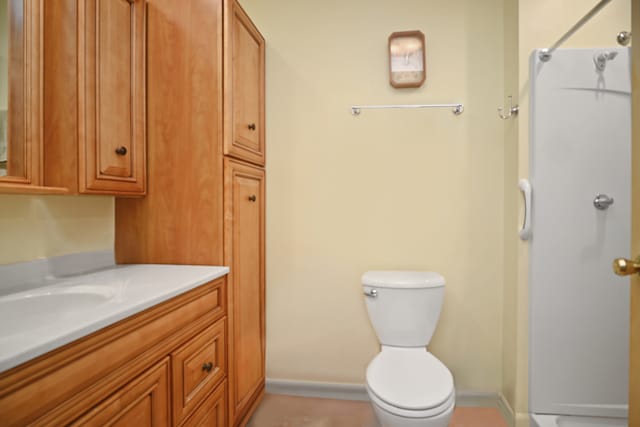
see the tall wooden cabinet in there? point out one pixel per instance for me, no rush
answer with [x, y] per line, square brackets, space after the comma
[244, 254]
[244, 208]
[206, 194]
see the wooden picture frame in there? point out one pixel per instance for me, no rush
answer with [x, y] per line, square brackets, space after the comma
[407, 63]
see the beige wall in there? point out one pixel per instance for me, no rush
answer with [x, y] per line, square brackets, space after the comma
[387, 190]
[43, 226]
[4, 53]
[540, 23]
[509, 347]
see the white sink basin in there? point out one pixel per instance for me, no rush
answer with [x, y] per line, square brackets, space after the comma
[38, 308]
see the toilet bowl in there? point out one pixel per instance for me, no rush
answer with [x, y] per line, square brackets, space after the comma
[407, 385]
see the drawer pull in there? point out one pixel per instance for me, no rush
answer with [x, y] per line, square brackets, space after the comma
[121, 151]
[207, 366]
[252, 126]
[252, 198]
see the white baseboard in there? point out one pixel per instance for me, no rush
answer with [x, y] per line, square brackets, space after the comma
[340, 391]
[506, 411]
[481, 399]
[350, 391]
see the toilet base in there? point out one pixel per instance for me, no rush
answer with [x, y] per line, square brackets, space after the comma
[388, 419]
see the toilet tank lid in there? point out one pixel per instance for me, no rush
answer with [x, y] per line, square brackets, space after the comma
[403, 279]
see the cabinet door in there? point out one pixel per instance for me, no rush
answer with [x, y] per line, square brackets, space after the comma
[244, 253]
[244, 88]
[111, 96]
[142, 402]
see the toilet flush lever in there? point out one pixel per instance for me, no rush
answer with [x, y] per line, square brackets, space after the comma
[372, 293]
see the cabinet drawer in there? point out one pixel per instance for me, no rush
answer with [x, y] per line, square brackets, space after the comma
[198, 366]
[213, 412]
[142, 402]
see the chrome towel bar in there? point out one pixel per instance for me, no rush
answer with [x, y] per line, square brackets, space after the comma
[457, 109]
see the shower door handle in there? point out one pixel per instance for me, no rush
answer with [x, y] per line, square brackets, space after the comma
[626, 267]
[602, 201]
[525, 188]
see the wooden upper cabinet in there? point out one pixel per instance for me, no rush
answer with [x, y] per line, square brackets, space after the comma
[21, 98]
[111, 96]
[244, 88]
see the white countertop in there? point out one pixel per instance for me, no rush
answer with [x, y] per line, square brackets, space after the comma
[36, 321]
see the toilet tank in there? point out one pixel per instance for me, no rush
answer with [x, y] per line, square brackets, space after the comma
[405, 309]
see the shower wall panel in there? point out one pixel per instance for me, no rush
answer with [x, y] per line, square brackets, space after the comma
[579, 311]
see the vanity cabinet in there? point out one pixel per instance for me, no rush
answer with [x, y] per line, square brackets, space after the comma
[169, 359]
[244, 254]
[244, 88]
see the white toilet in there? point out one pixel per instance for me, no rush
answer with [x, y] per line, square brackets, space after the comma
[407, 385]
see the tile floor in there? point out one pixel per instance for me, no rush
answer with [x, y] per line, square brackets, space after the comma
[278, 410]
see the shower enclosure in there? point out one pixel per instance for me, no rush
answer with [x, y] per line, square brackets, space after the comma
[580, 172]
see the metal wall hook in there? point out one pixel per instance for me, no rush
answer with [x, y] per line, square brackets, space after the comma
[513, 110]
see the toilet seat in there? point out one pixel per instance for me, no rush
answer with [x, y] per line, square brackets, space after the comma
[406, 413]
[410, 382]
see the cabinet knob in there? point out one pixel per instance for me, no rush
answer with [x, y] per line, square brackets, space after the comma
[252, 198]
[121, 151]
[252, 126]
[207, 367]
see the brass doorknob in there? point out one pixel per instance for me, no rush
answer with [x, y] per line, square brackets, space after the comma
[625, 267]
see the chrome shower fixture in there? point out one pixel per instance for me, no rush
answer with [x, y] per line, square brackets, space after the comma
[623, 37]
[600, 59]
